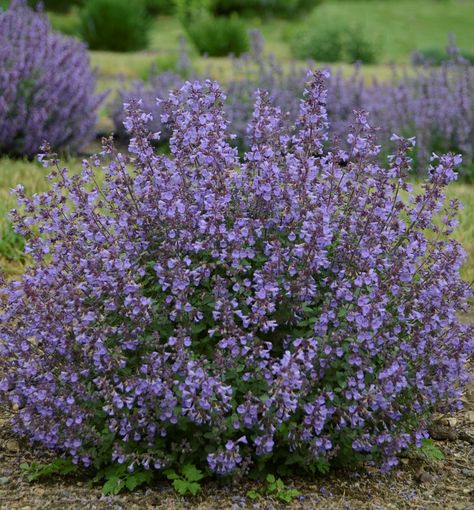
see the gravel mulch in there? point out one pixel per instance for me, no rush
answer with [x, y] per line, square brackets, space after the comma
[417, 483]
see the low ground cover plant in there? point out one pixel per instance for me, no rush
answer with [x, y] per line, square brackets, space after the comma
[200, 315]
[47, 89]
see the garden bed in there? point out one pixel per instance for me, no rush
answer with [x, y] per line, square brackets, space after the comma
[415, 483]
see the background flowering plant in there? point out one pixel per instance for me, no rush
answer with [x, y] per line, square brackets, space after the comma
[434, 104]
[47, 90]
[288, 310]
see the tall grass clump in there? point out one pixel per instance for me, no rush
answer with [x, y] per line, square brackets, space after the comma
[47, 89]
[203, 315]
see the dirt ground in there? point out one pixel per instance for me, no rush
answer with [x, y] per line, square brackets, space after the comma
[417, 483]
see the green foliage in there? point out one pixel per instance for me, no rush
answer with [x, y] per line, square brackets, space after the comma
[218, 36]
[436, 56]
[274, 487]
[187, 11]
[333, 42]
[68, 25]
[12, 245]
[278, 8]
[430, 451]
[325, 44]
[159, 7]
[56, 5]
[358, 48]
[187, 481]
[35, 471]
[115, 25]
[117, 477]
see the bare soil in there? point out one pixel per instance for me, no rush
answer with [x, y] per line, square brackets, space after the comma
[417, 483]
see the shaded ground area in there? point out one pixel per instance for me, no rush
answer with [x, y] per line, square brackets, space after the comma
[417, 483]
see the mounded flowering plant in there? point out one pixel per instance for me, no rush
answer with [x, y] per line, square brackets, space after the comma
[47, 89]
[291, 311]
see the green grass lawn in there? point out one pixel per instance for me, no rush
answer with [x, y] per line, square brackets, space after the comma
[400, 26]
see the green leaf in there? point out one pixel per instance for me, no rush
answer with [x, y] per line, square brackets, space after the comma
[284, 496]
[270, 479]
[171, 474]
[181, 486]
[113, 486]
[253, 494]
[430, 451]
[131, 482]
[194, 488]
[192, 473]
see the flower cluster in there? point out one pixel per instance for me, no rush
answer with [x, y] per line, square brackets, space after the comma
[47, 90]
[434, 104]
[291, 308]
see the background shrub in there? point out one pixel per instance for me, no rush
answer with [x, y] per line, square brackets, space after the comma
[189, 10]
[218, 36]
[438, 56]
[115, 25]
[358, 47]
[159, 7]
[333, 41]
[46, 85]
[59, 6]
[280, 8]
[196, 313]
[324, 43]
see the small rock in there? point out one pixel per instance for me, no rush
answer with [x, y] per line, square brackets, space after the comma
[467, 472]
[470, 416]
[12, 445]
[441, 433]
[425, 477]
[452, 422]
[4, 480]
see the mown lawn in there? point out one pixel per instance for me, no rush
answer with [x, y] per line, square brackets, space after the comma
[396, 26]
[400, 26]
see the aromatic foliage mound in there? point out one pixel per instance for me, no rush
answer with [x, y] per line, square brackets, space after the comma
[289, 311]
[46, 85]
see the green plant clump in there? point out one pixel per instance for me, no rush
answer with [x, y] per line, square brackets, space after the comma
[334, 42]
[218, 36]
[115, 25]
